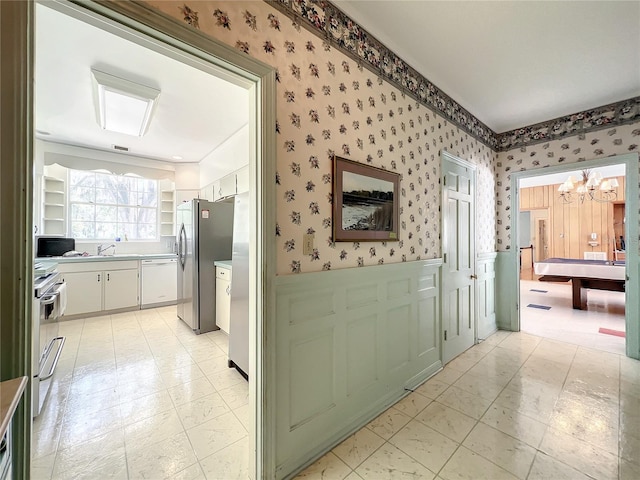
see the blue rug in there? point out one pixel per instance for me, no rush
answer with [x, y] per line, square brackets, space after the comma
[541, 307]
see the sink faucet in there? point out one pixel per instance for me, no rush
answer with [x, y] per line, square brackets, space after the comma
[103, 248]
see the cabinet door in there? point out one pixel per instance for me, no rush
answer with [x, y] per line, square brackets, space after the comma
[242, 179]
[228, 185]
[223, 304]
[120, 289]
[217, 193]
[84, 292]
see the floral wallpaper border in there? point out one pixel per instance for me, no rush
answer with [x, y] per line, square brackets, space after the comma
[331, 24]
[615, 114]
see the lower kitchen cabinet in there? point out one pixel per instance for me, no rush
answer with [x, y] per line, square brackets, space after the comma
[120, 289]
[223, 298]
[84, 292]
[100, 286]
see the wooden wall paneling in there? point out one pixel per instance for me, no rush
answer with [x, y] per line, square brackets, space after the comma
[621, 189]
[525, 194]
[538, 197]
[574, 229]
[599, 225]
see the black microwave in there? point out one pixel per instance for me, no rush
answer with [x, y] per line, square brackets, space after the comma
[54, 246]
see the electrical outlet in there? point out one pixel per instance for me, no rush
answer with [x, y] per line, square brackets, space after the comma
[307, 243]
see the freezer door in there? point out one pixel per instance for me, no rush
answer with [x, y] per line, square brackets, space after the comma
[185, 279]
[239, 323]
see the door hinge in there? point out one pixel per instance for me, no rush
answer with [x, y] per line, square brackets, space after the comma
[445, 335]
[444, 258]
[444, 181]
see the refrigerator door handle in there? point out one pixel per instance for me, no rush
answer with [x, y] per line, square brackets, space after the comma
[181, 246]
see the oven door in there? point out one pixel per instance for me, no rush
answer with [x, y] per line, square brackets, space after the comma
[49, 346]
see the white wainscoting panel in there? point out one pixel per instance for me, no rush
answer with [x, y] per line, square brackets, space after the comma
[486, 294]
[348, 344]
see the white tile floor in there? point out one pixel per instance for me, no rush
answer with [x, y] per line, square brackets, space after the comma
[140, 396]
[604, 310]
[514, 406]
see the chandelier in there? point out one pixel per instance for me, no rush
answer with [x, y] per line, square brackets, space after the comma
[591, 186]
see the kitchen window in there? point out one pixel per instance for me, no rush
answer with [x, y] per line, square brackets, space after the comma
[104, 206]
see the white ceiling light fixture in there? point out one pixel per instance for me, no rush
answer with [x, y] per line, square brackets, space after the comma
[123, 106]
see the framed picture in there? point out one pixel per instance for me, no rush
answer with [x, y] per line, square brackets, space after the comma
[365, 202]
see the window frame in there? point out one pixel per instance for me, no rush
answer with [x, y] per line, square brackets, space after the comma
[95, 238]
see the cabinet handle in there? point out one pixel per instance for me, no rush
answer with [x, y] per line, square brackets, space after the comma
[98, 277]
[228, 289]
[108, 279]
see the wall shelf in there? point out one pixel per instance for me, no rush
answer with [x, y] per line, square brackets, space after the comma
[54, 207]
[167, 213]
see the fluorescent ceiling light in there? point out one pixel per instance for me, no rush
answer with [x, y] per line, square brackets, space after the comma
[123, 106]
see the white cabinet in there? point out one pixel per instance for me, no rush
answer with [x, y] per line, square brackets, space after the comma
[53, 206]
[167, 213]
[228, 185]
[100, 286]
[120, 289]
[242, 179]
[235, 182]
[223, 298]
[84, 292]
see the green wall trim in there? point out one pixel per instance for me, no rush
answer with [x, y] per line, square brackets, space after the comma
[349, 344]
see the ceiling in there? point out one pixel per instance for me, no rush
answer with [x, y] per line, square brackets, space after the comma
[195, 113]
[514, 63]
[510, 63]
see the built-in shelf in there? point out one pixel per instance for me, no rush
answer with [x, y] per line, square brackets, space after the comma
[167, 213]
[54, 208]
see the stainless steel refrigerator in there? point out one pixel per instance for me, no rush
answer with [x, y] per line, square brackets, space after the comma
[205, 235]
[239, 324]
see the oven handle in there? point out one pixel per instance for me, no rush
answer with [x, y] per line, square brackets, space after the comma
[49, 298]
[55, 360]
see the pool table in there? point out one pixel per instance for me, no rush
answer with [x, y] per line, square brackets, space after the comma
[583, 274]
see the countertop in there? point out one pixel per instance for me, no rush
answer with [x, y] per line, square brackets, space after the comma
[107, 258]
[10, 394]
[223, 264]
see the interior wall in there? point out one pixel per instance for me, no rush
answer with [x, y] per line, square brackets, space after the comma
[327, 103]
[228, 157]
[570, 225]
[599, 144]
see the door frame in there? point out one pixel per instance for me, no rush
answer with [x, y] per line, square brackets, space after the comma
[632, 302]
[259, 79]
[446, 156]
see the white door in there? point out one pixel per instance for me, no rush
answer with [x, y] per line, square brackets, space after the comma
[84, 292]
[120, 289]
[458, 243]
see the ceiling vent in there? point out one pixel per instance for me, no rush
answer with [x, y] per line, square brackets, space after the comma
[123, 106]
[120, 148]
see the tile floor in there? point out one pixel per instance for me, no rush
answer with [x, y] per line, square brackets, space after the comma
[514, 406]
[561, 322]
[138, 395]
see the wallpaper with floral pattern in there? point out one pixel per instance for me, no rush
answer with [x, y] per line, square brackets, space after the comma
[327, 104]
[599, 144]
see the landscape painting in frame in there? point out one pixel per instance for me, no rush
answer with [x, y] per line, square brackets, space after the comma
[365, 202]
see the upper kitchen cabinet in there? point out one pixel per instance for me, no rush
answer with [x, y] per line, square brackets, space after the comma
[53, 206]
[242, 179]
[235, 182]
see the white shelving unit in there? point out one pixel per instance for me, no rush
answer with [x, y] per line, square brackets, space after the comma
[167, 212]
[54, 206]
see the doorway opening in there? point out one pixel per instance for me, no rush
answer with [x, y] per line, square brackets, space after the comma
[573, 277]
[148, 30]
